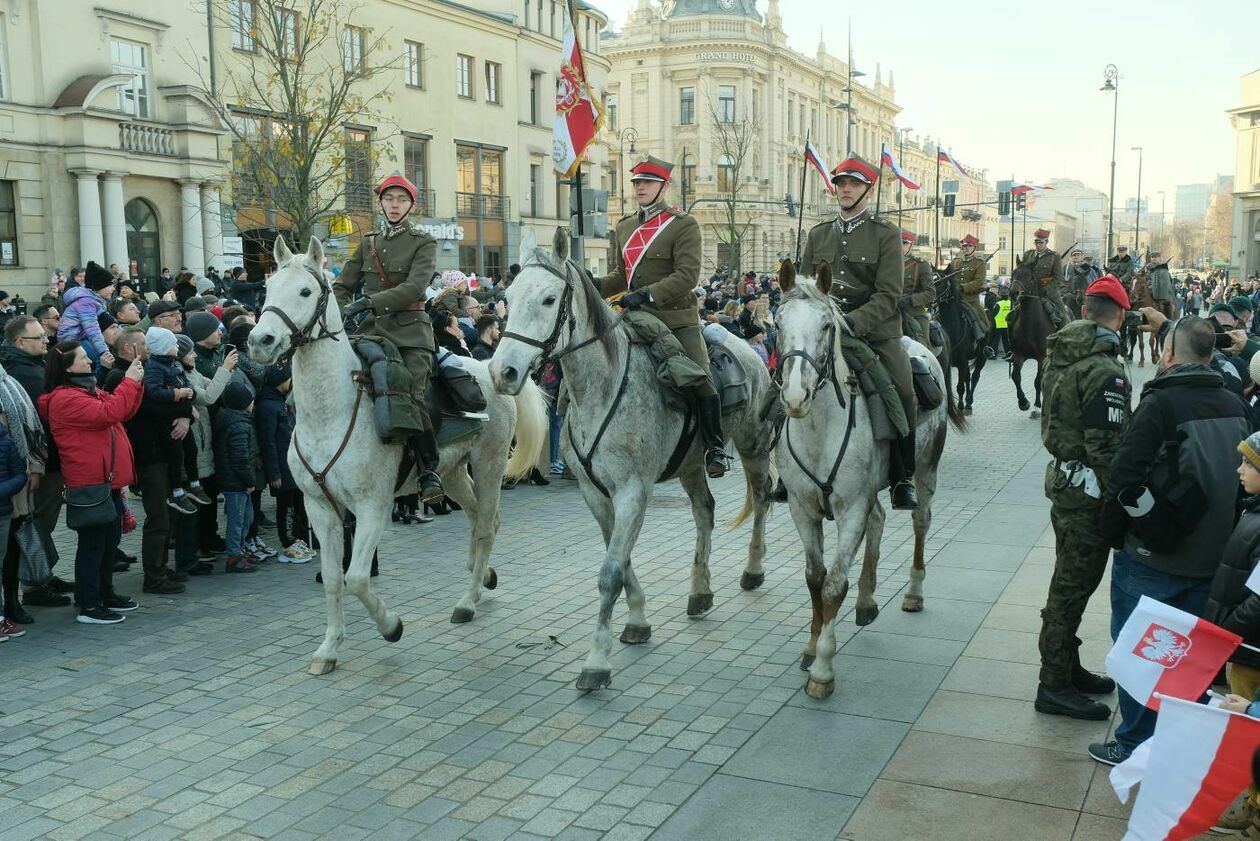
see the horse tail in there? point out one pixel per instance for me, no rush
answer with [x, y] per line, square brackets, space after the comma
[531, 430]
[956, 418]
[742, 517]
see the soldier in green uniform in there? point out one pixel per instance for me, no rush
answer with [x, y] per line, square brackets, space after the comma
[918, 291]
[868, 281]
[656, 264]
[1047, 269]
[394, 266]
[971, 270]
[1087, 411]
[1121, 267]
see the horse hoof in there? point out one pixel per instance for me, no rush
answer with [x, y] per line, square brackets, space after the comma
[1023, 405]
[592, 679]
[396, 634]
[1034, 414]
[699, 605]
[912, 604]
[968, 411]
[807, 660]
[867, 615]
[492, 579]
[461, 615]
[320, 666]
[636, 634]
[752, 580]
[819, 690]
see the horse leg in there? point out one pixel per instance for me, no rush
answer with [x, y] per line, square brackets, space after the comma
[327, 528]
[925, 489]
[757, 473]
[981, 360]
[1017, 364]
[369, 527]
[637, 630]
[628, 508]
[693, 481]
[867, 607]
[458, 486]
[809, 526]
[1037, 385]
[849, 528]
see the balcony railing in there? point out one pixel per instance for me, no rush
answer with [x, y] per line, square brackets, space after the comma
[482, 206]
[146, 139]
[426, 203]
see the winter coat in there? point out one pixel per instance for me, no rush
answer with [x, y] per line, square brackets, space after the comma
[29, 372]
[246, 292]
[12, 473]
[84, 424]
[481, 350]
[206, 394]
[150, 428]
[275, 432]
[1231, 604]
[78, 320]
[162, 375]
[235, 449]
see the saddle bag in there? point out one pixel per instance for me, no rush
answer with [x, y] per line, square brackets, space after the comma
[936, 335]
[926, 388]
[394, 413]
[729, 377]
[888, 418]
[460, 387]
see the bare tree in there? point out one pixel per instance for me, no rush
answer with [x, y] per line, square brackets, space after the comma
[305, 75]
[733, 140]
[1220, 226]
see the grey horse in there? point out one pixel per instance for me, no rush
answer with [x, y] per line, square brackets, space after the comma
[620, 432]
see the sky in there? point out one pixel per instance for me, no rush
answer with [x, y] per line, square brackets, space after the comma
[1017, 92]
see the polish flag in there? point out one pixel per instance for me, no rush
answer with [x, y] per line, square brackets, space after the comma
[1165, 651]
[578, 112]
[1192, 768]
[891, 163]
[1020, 189]
[946, 158]
[815, 160]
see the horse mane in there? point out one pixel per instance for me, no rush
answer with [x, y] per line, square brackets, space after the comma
[598, 313]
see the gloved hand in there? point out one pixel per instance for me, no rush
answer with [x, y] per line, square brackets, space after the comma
[353, 309]
[904, 303]
[635, 298]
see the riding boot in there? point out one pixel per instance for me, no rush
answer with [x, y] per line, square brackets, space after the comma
[426, 449]
[901, 473]
[709, 414]
[779, 494]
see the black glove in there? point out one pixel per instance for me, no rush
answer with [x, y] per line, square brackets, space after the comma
[635, 298]
[1113, 523]
[905, 304]
[356, 307]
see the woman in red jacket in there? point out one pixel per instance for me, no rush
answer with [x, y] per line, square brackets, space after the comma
[87, 425]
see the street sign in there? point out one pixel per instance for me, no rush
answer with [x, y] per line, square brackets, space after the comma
[949, 186]
[233, 245]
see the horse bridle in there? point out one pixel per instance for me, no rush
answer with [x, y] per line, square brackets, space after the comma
[825, 369]
[564, 316]
[299, 336]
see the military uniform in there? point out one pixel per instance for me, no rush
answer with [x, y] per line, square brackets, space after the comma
[918, 293]
[1087, 411]
[1121, 268]
[971, 273]
[1047, 269]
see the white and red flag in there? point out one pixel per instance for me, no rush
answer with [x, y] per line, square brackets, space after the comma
[1167, 651]
[578, 111]
[946, 158]
[1020, 189]
[1195, 764]
[815, 160]
[891, 162]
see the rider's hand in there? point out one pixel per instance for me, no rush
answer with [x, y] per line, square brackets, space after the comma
[635, 298]
[361, 305]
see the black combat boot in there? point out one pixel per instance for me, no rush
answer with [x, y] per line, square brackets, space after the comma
[1071, 702]
[901, 473]
[426, 449]
[709, 412]
[1086, 681]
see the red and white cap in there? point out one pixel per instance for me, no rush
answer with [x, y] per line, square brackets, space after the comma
[971, 240]
[651, 169]
[1041, 234]
[908, 237]
[854, 167]
[397, 180]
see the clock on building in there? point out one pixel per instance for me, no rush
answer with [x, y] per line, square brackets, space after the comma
[684, 8]
[726, 5]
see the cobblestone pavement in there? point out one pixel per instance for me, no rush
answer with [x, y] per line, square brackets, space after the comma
[196, 719]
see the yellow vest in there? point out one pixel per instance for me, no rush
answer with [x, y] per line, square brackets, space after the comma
[1003, 310]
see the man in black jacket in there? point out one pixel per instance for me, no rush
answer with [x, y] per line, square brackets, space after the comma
[1186, 411]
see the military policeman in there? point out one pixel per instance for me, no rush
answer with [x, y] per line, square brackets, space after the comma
[918, 291]
[868, 281]
[971, 270]
[656, 264]
[1087, 410]
[394, 266]
[1047, 269]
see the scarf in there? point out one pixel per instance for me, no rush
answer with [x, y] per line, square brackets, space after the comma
[87, 382]
[23, 423]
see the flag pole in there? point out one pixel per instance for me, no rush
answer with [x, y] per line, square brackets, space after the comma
[800, 206]
[578, 249]
[936, 207]
[879, 177]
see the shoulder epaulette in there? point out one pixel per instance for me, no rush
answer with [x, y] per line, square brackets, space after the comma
[823, 224]
[882, 221]
[675, 210]
[627, 216]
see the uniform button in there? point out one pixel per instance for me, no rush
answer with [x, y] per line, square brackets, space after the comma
[844, 242]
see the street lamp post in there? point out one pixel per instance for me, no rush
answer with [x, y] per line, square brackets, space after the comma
[627, 133]
[1111, 84]
[1137, 217]
[848, 111]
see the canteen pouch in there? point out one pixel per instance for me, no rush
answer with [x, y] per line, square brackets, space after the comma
[888, 418]
[395, 415]
[461, 387]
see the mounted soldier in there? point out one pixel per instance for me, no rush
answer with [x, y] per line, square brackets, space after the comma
[1161, 283]
[1081, 274]
[919, 290]
[868, 282]
[655, 269]
[1121, 267]
[971, 269]
[394, 266]
[1047, 270]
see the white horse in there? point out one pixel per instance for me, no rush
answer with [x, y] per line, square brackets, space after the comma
[341, 464]
[620, 433]
[832, 466]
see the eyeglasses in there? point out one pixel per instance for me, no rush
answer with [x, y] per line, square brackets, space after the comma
[42, 337]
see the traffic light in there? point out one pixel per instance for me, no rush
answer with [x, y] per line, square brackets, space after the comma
[790, 204]
[950, 198]
[1021, 201]
[1004, 203]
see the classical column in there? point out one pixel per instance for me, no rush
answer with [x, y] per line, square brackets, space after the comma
[115, 223]
[91, 238]
[193, 253]
[211, 227]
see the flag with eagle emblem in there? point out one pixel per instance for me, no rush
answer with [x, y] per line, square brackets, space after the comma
[579, 113]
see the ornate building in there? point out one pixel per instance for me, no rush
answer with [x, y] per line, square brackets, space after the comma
[1245, 252]
[713, 86]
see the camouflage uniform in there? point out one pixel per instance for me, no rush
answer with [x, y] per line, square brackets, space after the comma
[918, 293]
[1087, 411]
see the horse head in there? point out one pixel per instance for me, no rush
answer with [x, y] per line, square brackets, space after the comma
[808, 342]
[298, 304]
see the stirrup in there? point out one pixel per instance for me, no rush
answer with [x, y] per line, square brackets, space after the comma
[431, 489]
[903, 496]
[716, 462]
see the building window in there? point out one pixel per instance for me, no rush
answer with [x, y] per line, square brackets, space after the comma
[242, 18]
[725, 174]
[535, 189]
[538, 18]
[726, 103]
[413, 64]
[130, 58]
[689, 178]
[359, 170]
[463, 75]
[535, 101]
[791, 115]
[553, 18]
[614, 177]
[491, 172]
[610, 110]
[353, 42]
[287, 33]
[8, 224]
[562, 198]
[416, 168]
[494, 74]
[687, 106]
[4, 67]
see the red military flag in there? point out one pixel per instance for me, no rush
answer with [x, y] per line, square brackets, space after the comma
[579, 113]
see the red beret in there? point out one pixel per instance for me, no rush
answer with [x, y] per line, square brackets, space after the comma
[1041, 233]
[908, 237]
[855, 167]
[397, 181]
[1108, 286]
[970, 240]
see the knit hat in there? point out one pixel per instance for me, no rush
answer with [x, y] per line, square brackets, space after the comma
[239, 335]
[204, 284]
[185, 345]
[273, 375]
[4, 296]
[104, 320]
[97, 277]
[1222, 308]
[1254, 368]
[199, 325]
[159, 341]
[1241, 302]
[159, 307]
[1250, 449]
[237, 395]
[194, 304]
